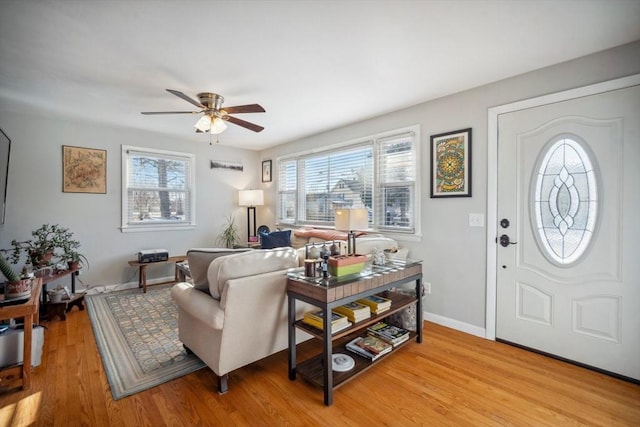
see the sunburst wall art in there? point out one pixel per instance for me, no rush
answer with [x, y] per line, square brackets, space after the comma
[451, 164]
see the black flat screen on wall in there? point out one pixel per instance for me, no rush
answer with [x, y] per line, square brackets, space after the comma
[5, 151]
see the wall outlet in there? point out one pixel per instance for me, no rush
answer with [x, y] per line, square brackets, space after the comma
[427, 287]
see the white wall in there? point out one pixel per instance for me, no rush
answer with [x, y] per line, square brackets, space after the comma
[454, 254]
[35, 193]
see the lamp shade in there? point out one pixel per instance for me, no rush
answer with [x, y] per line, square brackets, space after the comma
[251, 198]
[351, 219]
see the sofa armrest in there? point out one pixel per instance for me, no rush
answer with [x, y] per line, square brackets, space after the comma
[198, 304]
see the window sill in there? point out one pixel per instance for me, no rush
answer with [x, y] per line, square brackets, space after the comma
[168, 227]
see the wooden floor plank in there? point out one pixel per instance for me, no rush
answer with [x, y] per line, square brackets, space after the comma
[451, 379]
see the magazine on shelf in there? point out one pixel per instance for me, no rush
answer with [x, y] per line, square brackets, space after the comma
[390, 333]
[375, 345]
[340, 324]
[376, 303]
[318, 315]
[354, 311]
[353, 347]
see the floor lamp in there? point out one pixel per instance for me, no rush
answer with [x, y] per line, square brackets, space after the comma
[251, 199]
[351, 220]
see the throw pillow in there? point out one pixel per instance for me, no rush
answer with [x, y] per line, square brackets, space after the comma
[275, 239]
[199, 260]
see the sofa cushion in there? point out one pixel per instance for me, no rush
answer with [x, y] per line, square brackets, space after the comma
[246, 264]
[275, 239]
[199, 260]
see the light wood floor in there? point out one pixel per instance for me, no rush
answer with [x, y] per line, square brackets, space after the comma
[451, 379]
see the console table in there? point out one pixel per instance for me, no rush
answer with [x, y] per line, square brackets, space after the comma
[335, 291]
[142, 266]
[12, 376]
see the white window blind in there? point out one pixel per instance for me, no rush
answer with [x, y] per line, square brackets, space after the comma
[396, 179]
[377, 174]
[158, 189]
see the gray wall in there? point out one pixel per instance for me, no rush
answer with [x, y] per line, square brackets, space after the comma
[35, 193]
[454, 254]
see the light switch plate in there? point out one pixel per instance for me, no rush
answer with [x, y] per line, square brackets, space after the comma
[476, 220]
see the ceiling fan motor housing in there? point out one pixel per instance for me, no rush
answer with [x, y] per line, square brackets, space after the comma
[212, 101]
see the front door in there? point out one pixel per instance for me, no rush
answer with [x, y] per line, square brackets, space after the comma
[568, 254]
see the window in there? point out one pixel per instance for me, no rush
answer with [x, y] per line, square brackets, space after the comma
[377, 173]
[565, 201]
[157, 190]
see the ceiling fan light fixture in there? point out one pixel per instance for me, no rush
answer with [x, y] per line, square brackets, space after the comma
[218, 126]
[204, 123]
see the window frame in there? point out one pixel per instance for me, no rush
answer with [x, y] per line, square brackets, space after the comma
[189, 223]
[374, 141]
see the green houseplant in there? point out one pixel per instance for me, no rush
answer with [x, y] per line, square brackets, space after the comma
[49, 242]
[16, 286]
[229, 235]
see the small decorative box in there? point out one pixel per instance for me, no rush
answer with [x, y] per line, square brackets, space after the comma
[346, 264]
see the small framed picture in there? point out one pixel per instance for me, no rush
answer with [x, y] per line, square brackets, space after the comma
[266, 171]
[451, 164]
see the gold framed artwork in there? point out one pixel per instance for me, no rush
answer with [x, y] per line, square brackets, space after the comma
[451, 164]
[84, 170]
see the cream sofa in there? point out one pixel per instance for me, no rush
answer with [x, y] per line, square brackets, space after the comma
[234, 310]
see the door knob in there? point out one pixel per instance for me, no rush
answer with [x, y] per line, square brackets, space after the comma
[505, 241]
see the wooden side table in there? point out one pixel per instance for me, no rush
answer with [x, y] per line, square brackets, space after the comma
[142, 266]
[51, 309]
[12, 376]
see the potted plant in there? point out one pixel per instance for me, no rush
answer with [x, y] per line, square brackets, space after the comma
[74, 259]
[48, 241]
[229, 235]
[16, 286]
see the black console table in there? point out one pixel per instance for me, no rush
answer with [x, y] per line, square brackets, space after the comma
[330, 293]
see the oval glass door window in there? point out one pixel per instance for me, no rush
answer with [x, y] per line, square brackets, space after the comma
[565, 200]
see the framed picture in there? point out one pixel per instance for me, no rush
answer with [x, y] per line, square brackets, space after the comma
[266, 171]
[84, 170]
[451, 164]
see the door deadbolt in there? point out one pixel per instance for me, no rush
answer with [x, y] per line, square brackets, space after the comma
[505, 241]
[504, 223]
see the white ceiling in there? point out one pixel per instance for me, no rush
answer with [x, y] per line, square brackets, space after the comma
[313, 65]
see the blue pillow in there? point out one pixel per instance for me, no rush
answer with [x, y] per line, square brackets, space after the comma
[275, 239]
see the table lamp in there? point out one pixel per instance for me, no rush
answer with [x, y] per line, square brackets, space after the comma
[251, 199]
[351, 220]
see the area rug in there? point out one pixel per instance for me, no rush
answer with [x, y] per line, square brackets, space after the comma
[137, 336]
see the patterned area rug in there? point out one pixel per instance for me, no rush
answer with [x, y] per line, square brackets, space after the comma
[137, 335]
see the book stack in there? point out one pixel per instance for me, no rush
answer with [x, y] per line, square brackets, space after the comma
[354, 311]
[394, 335]
[338, 321]
[376, 303]
[369, 347]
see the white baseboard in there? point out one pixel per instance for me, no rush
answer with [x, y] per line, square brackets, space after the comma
[455, 324]
[122, 286]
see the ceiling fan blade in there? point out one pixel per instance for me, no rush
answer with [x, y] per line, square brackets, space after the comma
[185, 97]
[169, 112]
[250, 108]
[243, 123]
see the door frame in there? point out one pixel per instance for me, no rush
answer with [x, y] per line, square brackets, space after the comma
[492, 176]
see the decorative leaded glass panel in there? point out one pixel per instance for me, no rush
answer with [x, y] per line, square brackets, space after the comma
[565, 201]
